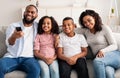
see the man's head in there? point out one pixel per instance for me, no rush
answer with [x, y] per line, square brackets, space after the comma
[30, 14]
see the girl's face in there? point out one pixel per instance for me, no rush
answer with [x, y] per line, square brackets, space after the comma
[89, 21]
[47, 25]
[68, 26]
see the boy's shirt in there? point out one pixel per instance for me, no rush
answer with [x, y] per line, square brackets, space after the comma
[72, 45]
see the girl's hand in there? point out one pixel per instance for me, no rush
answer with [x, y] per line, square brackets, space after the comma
[100, 54]
[49, 61]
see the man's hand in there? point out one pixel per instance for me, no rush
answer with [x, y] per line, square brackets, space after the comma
[14, 36]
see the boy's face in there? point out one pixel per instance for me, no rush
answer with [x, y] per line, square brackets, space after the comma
[68, 26]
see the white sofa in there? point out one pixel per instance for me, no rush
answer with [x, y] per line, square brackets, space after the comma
[20, 74]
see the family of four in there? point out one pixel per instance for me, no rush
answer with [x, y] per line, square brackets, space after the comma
[40, 50]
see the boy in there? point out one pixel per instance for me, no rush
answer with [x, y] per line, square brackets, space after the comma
[72, 50]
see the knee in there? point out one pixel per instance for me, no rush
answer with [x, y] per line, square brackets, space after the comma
[98, 62]
[54, 69]
[2, 67]
[110, 71]
[44, 69]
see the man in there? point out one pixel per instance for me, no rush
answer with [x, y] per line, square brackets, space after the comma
[19, 41]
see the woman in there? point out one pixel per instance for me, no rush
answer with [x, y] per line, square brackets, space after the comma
[102, 43]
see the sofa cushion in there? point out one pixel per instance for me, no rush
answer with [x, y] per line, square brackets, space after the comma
[16, 74]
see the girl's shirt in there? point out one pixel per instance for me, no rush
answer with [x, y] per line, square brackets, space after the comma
[45, 44]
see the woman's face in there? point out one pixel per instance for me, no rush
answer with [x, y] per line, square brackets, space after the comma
[47, 25]
[89, 21]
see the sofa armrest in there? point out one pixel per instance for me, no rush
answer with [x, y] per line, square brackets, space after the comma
[117, 37]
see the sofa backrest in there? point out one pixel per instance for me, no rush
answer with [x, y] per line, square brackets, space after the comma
[3, 48]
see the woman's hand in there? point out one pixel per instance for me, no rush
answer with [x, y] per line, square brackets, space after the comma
[100, 54]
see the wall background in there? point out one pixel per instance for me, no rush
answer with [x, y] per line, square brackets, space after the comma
[11, 10]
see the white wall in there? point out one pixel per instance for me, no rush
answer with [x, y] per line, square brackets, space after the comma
[10, 10]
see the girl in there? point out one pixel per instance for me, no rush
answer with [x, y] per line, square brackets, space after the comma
[45, 45]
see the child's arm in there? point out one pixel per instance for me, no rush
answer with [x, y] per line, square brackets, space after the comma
[56, 40]
[39, 55]
[60, 54]
[42, 57]
[80, 55]
[63, 57]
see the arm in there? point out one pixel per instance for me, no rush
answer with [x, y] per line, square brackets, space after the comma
[110, 39]
[14, 36]
[60, 54]
[56, 37]
[42, 57]
[80, 55]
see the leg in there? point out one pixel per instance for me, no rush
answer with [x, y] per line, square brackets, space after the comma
[44, 69]
[54, 69]
[30, 66]
[99, 68]
[110, 59]
[81, 68]
[110, 72]
[7, 65]
[64, 69]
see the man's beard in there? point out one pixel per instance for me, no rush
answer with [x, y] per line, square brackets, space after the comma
[28, 21]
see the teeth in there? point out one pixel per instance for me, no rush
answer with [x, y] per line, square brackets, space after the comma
[29, 17]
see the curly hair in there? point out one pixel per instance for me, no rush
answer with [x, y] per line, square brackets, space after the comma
[55, 27]
[97, 18]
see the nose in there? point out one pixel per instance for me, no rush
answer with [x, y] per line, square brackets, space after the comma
[87, 24]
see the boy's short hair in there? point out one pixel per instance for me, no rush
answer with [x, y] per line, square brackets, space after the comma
[68, 18]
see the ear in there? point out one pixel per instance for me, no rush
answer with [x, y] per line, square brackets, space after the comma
[36, 15]
[75, 25]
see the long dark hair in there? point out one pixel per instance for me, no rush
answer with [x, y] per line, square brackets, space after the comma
[98, 21]
[55, 27]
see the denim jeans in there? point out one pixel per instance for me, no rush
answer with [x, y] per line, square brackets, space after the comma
[104, 67]
[49, 71]
[28, 65]
[110, 72]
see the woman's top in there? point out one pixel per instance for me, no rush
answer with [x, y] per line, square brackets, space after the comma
[45, 44]
[100, 41]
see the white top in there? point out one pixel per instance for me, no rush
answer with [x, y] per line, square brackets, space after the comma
[22, 47]
[72, 45]
[28, 42]
[101, 41]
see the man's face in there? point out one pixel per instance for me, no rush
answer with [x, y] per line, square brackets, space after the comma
[30, 15]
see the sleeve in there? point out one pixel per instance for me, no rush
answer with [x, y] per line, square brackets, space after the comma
[83, 41]
[9, 32]
[60, 41]
[112, 45]
[37, 42]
